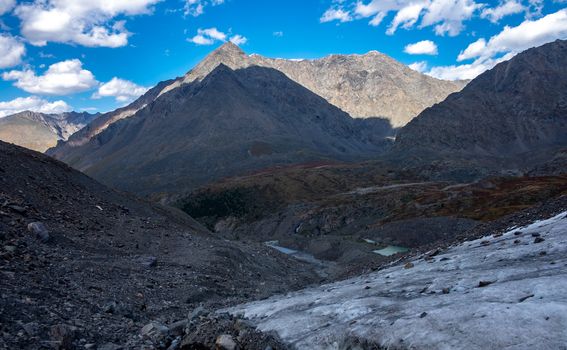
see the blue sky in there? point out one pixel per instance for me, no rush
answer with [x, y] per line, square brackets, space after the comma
[98, 55]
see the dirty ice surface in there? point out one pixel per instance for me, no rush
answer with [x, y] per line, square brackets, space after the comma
[506, 292]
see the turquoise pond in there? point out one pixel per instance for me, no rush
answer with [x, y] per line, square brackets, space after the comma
[391, 250]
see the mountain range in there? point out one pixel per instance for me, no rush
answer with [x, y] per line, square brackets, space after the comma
[235, 113]
[289, 174]
[40, 131]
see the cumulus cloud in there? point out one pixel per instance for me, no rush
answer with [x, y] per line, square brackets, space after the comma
[11, 51]
[33, 103]
[89, 23]
[419, 66]
[504, 45]
[211, 35]
[196, 8]
[425, 47]
[122, 90]
[334, 14]
[238, 39]
[509, 7]
[6, 6]
[62, 78]
[446, 16]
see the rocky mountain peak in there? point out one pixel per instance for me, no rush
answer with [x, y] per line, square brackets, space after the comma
[228, 49]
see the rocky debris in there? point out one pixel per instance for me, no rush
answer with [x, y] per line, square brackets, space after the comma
[64, 335]
[90, 276]
[39, 230]
[226, 332]
[155, 331]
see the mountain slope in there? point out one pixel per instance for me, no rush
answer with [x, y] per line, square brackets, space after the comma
[39, 131]
[370, 85]
[103, 121]
[112, 262]
[511, 117]
[229, 123]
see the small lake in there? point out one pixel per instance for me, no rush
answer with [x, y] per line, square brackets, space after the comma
[391, 250]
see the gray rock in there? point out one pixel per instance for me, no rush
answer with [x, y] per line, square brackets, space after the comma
[39, 230]
[154, 331]
[110, 346]
[64, 335]
[149, 262]
[225, 342]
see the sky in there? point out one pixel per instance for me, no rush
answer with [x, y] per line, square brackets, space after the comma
[98, 55]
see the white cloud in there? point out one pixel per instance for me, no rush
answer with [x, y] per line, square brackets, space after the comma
[419, 66]
[11, 51]
[473, 50]
[447, 16]
[122, 90]
[196, 8]
[211, 35]
[33, 103]
[406, 17]
[62, 78]
[278, 34]
[466, 71]
[238, 39]
[503, 46]
[334, 14]
[528, 34]
[6, 6]
[507, 8]
[89, 23]
[425, 47]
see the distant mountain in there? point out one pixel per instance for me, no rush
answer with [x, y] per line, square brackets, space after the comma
[370, 85]
[229, 123]
[511, 118]
[39, 131]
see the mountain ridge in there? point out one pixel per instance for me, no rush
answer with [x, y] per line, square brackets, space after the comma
[360, 84]
[41, 131]
[507, 119]
[229, 123]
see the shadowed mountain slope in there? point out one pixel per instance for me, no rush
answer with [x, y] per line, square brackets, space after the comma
[513, 117]
[231, 122]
